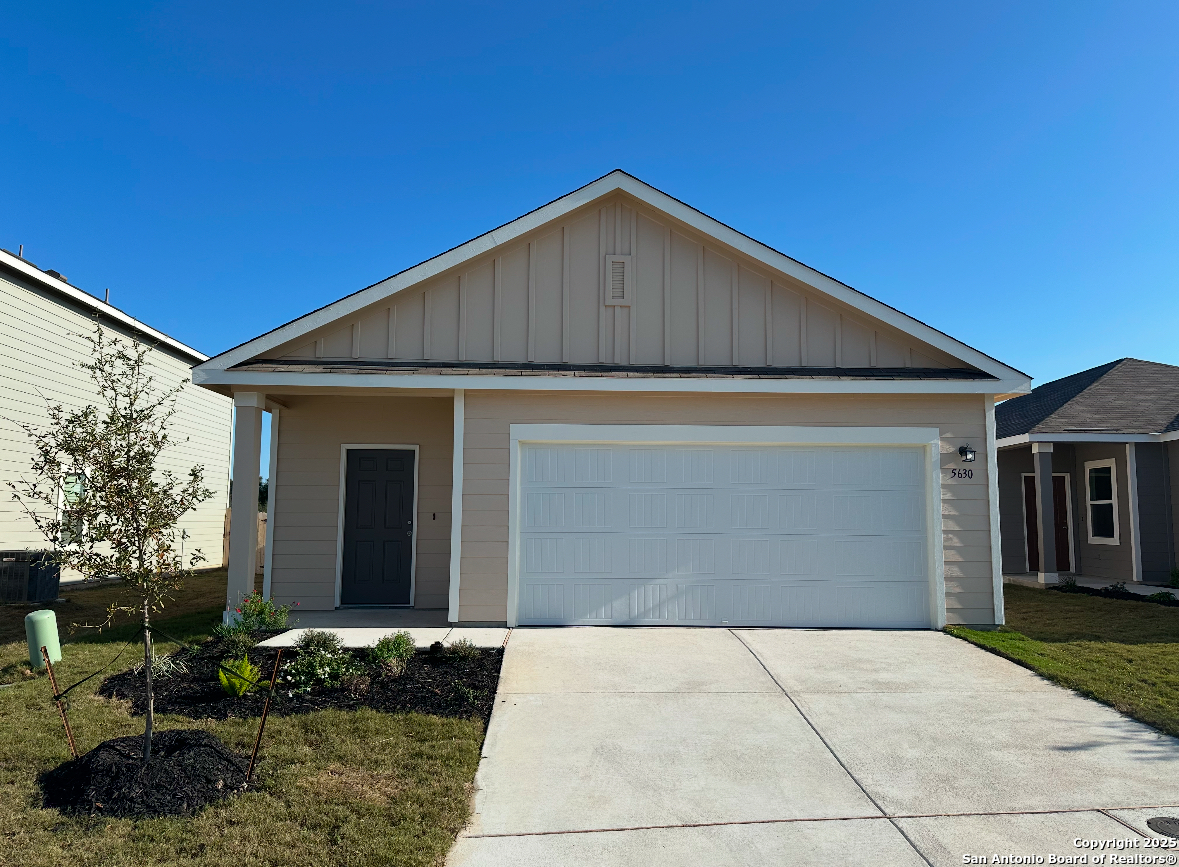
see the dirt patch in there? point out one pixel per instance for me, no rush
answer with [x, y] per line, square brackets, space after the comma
[337, 781]
[435, 681]
[188, 769]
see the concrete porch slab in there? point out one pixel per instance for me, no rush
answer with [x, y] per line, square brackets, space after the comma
[361, 637]
[480, 636]
[370, 618]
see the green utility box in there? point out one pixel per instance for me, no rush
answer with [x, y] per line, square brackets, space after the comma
[41, 630]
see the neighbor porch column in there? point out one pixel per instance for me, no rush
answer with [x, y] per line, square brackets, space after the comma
[1045, 512]
[243, 521]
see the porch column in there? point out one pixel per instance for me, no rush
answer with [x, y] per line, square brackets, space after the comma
[1045, 512]
[243, 521]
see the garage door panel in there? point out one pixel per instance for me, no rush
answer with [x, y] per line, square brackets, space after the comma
[792, 536]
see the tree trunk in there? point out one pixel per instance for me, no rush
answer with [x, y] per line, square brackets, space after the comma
[147, 660]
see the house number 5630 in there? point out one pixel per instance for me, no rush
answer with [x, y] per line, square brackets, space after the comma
[956, 473]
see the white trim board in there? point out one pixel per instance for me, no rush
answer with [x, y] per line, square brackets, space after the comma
[263, 380]
[271, 495]
[929, 438]
[1024, 439]
[413, 554]
[993, 512]
[456, 504]
[620, 181]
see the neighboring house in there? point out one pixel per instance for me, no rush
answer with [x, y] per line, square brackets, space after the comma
[41, 342]
[1109, 440]
[616, 409]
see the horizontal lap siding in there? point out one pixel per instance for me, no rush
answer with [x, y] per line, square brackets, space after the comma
[960, 419]
[307, 490]
[40, 348]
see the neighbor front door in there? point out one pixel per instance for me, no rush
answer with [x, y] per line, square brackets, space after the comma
[1060, 512]
[378, 527]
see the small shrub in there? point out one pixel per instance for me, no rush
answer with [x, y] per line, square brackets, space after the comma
[466, 694]
[232, 640]
[1162, 596]
[322, 661]
[241, 677]
[1066, 582]
[355, 684]
[1174, 582]
[398, 647]
[258, 612]
[390, 668]
[319, 641]
[1117, 587]
[463, 649]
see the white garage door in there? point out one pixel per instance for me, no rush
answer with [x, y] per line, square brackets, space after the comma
[619, 533]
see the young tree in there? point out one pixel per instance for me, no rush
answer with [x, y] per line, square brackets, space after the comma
[97, 494]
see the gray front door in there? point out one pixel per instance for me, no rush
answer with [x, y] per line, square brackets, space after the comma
[378, 528]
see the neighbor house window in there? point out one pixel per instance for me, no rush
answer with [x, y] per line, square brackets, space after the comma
[1101, 493]
[73, 486]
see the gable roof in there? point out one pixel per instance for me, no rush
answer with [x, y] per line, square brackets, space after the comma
[57, 285]
[1010, 380]
[1123, 397]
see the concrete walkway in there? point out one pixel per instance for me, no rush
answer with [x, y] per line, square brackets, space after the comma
[751, 747]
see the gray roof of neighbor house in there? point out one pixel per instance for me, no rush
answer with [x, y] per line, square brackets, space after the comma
[1127, 396]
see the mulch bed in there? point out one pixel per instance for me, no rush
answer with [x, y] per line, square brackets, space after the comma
[1115, 591]
[435, 681]
[188, 769]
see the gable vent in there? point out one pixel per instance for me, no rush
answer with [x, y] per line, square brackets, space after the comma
[618, 280]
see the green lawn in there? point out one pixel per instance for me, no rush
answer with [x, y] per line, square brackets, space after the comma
[356, 788]
[1125, 654]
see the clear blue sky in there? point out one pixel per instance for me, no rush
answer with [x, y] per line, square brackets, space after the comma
[1006, 172]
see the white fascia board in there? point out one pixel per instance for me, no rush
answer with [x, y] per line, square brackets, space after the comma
[261, 381]
[730, 434]
[1019, 383]
[48, 281]
[1024, 439]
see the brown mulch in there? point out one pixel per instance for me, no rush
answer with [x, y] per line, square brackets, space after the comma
[435, 681]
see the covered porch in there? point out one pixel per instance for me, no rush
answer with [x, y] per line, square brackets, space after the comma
[361, 500]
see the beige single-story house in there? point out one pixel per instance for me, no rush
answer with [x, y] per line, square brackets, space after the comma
[618, 410]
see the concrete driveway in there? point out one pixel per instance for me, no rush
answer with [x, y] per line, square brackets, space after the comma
[751, 747]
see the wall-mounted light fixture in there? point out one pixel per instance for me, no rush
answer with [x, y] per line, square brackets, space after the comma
[968, 454]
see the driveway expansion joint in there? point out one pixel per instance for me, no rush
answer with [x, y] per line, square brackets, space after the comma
[831, 749]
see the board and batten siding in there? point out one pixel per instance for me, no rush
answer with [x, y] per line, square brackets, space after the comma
[541, 299]
[960, 419]
[307, 489]
[40, 346]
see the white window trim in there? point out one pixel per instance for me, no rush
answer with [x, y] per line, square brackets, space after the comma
[413, 551]
[930, 438]
[1072, 533]
[1113, 477]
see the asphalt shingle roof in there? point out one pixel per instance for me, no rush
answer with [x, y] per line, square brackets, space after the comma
[1127, 396]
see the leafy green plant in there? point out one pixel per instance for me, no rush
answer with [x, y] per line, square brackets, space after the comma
[241, 677]
[464, 648]
[1066, 582]
[1162, 596]
[321, 661]
[398, 647]
[233, 641]
[319, 641]
[258, 612]
[99, 494]
[1117, 587]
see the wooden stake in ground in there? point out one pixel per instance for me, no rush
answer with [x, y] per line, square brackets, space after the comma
[265, 712]
[151, 699]
[60, 704]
